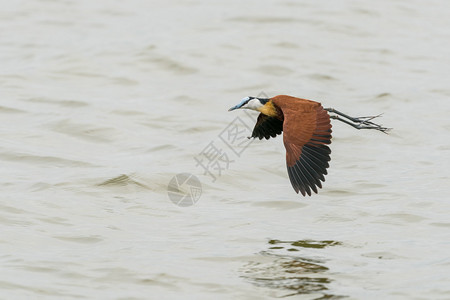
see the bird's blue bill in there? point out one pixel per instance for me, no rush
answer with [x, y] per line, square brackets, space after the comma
[243, 102]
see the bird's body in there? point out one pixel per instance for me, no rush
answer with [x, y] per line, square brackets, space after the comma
[307, 134]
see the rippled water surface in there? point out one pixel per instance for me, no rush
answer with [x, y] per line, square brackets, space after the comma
[104, 102]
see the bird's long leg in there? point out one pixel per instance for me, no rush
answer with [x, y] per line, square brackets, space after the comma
[358, 123]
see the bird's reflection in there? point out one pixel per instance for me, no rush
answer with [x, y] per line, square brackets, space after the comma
[290, 273]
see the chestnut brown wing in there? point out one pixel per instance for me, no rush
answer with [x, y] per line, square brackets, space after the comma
[267, 127]
[307, 133]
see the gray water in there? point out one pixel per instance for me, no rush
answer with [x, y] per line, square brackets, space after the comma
[104, 102]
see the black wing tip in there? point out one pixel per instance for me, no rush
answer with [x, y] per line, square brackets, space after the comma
[305, 191]
[267, 127]
[298, 181]
[308, 172]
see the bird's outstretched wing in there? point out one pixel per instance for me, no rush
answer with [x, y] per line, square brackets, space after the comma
[267, 127]
[306, 136]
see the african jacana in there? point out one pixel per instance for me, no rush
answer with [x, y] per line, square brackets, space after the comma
[307, 132]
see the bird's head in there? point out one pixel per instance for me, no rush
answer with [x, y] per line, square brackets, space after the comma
[251, 103]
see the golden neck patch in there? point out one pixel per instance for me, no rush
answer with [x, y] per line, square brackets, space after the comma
[268, 109]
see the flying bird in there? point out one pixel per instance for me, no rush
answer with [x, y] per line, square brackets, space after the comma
[307, 134]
